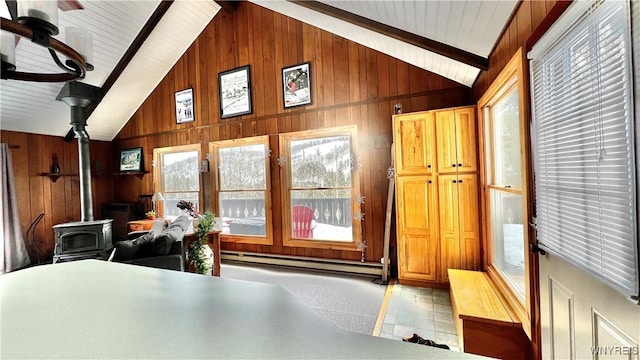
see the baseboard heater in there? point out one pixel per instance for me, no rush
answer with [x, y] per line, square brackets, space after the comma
[345, 266]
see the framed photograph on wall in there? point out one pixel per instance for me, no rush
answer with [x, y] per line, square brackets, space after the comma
[184, 106]
[235, 92]
[296, 84]
[131, 160]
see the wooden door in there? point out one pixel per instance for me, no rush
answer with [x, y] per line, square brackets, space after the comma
[449, 224]
[413, 142]
[446, 141]
[465, 140]
[416, 231]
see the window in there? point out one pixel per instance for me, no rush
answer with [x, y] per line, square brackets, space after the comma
[584, 143]
[505, 189]
[320, 188]
[177, 177]
[503, 120]
[243, 192]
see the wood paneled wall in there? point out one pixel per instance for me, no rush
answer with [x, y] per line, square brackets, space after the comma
[529, 15]
[351, 84]
[59, 201]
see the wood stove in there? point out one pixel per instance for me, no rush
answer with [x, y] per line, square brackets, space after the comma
[88, 238]
[83, 240]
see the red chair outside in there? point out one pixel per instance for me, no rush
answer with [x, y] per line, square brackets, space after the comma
[301, 222]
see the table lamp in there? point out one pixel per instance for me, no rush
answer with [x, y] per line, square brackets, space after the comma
[158, 202]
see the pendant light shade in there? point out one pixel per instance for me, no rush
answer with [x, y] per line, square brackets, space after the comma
[81, 41]
[42, 15]
[8, 50]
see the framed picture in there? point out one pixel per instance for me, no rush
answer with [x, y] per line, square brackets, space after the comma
[184, 106]
[235, 92]
[131, 160]
[296, 84]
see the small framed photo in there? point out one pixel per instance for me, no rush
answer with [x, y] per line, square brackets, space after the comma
[296, 84]
[235, 92]
[184, 106]
[131, 160]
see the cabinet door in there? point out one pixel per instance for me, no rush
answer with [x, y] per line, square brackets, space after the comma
[459, 223]
[456, 140]
[446, 141]
[469, 220]
[450, 255]
[413, 142]
[466, 139]
[417, 223]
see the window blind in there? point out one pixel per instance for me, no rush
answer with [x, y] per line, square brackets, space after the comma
[583, 142]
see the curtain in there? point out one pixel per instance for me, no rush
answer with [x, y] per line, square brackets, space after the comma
[13, 252]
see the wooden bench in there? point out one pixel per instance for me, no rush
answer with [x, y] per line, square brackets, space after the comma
[485, 325]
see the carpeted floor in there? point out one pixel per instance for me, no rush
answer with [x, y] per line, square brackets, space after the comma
[350, 302]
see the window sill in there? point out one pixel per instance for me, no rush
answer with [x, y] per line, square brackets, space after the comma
[320, 244]
[510, 299]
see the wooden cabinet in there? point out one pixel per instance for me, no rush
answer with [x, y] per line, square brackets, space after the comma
[456, 140]
[414, 137]
[437, 209]
[459, 226]
[417, 227]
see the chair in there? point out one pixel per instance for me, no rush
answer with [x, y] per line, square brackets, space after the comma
[161, 247]
[31, 242]
[301, 222]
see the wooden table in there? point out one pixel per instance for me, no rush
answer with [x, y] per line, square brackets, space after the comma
[213, 239]
[139, 225]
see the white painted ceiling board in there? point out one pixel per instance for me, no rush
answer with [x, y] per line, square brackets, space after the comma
[445, 21]
[176, 31]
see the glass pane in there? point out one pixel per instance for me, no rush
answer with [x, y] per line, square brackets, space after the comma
[508, 238]
[171, 210]
[321, 214]
[506, 141]
[243, 212]
[242, 167]
[180, 171]
[321, 163]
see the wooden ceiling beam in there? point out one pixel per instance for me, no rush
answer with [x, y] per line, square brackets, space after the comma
[228, 5]
[12, 5]
[437, 47]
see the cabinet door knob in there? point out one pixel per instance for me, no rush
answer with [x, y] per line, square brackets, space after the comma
[454, 181]
[459, 164]
[429, 166]
[454, 165]
[460, 181]
[429, 181]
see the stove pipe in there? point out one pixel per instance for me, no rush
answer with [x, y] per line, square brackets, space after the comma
[78, 96]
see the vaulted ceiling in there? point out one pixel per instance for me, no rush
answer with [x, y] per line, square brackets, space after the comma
[452, 38]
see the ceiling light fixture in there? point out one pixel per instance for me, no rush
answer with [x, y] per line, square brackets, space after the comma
[38, 21]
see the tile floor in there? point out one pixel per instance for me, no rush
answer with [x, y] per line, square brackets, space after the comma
[426, 312]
